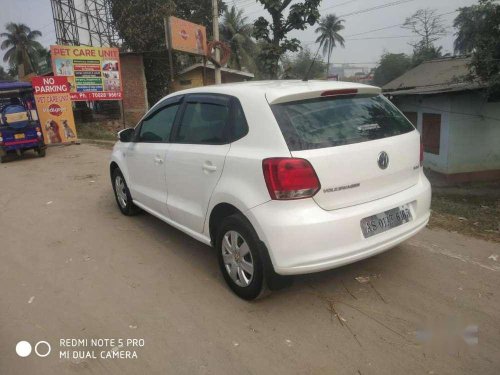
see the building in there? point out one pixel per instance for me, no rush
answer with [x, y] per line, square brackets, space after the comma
[460, 125]
[135, 93]
[348, 71]
[193, 75]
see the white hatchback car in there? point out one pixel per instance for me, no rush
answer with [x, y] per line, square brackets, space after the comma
[281, 177]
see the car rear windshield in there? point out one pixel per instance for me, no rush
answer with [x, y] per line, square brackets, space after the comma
[334, 121]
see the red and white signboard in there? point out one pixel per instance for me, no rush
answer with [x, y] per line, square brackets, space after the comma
[55, 112]
[50, 85]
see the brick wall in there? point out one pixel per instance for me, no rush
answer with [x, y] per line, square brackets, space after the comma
[135, 100]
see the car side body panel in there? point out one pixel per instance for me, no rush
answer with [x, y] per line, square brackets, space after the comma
[242, 182]
[301, 235]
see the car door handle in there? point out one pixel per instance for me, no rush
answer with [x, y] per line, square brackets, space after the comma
[158, 160]
[209, 167]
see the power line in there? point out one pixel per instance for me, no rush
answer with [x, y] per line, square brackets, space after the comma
[390, 27]
[246, 3]
[344, 3]
[366, 10]
[382, 28]
[368, 38]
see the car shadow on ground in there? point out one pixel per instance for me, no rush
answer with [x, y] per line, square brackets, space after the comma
[204, 260]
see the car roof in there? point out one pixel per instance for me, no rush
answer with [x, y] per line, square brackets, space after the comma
[280, 90]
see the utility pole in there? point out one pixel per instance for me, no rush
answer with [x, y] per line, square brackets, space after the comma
[215, 21]
[168, 43]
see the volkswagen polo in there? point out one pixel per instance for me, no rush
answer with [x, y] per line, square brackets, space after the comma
[280, 177]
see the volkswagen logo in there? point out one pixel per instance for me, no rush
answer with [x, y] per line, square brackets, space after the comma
[383, 160]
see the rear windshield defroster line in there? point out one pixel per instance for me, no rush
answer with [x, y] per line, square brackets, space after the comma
[335, 121]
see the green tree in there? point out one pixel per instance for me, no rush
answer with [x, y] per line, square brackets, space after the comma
[4, 76]
[467, 24]
[140, 25]
[43, 61]
[422, 53]
[391, 66]
[329, 29]
[238, 33]
[274, 33]
[479, 33]
[21, 45]
[298, 66]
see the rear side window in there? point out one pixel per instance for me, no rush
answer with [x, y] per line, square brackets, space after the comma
[239, 127]
[203, 123]
[334, 121]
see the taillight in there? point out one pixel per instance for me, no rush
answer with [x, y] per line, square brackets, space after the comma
[340, 92]
[421, 154]
[290, 178]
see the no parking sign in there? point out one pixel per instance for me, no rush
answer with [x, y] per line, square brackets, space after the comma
[54, 109]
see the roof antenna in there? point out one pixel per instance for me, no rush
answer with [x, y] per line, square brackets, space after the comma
[306, 78]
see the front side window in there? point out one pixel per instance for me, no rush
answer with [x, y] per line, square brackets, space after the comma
[334, 121]
[203, 123]
[156, 128]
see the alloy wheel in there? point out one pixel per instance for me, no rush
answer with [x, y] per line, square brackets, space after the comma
[238, 260]
[121, 193]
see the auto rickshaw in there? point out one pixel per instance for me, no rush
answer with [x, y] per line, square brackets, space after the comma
[20, 128]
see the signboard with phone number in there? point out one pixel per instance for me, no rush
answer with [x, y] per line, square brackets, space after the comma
[94, 73]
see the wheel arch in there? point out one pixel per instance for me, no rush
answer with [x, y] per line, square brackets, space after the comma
[118, 163]
[112, 166]
[222, 210]
[217, 214]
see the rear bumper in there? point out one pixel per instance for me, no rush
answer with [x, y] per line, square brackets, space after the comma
[304, 238]
[22, 145]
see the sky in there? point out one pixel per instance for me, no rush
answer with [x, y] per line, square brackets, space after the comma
[363, 50]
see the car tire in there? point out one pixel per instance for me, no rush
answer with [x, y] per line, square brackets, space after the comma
[240, 257]
[122, 194]
[41, 152]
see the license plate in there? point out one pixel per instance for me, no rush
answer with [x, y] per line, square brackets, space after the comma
[384, 221]
[19, 136]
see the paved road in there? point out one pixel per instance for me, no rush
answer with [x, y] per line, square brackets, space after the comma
[72, 266]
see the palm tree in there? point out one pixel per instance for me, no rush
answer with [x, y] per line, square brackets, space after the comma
[329, 28]
[21, 46]
[238, 33]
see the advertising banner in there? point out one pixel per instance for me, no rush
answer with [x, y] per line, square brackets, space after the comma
[187, 36]
[94, 73]
[55, 112]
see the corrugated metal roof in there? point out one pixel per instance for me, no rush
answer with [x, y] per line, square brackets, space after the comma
[434, 76]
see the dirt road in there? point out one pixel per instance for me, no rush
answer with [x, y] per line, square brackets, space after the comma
[72, 267]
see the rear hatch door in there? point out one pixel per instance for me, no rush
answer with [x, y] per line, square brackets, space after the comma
[361, 147]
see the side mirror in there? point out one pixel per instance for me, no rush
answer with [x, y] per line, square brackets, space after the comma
[126, 135]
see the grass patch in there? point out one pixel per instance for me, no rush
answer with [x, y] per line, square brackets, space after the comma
[95, 131]
[476, 215]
